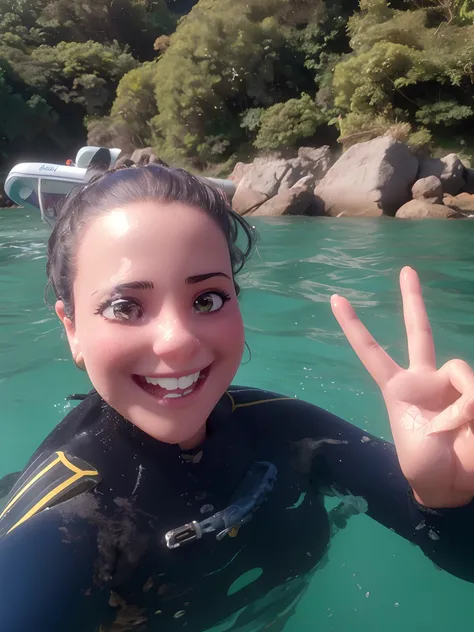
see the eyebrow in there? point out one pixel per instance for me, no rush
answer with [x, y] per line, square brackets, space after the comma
[203, 277]
[132, 285]
[149, 285]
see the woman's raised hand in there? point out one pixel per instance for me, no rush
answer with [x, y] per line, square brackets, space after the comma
[431, 410]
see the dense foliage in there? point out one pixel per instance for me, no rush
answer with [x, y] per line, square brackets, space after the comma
[209, 82]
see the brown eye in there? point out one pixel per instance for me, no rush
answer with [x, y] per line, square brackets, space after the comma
[210, 302]
[123, 309]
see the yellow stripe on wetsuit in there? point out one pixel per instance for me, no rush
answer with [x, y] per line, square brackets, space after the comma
[43, 502]
[255, 402]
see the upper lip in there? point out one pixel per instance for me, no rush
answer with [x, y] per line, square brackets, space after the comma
[177, 375]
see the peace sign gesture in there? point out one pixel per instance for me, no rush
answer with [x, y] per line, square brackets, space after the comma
[431, 410]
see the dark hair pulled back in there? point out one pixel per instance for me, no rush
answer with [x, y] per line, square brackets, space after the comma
[124, 186]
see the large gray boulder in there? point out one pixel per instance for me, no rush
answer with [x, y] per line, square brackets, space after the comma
[469, 177]
[265, 175]
[429, 189]
[268, 175]
[295, 201]
[239, 171]
[450, 170]
[306, 182]
[320, 159]
[369, 179]
[464, 202]
[295, 172]
[260, 182]
[312, 162]
[246, 200]
[421, 209]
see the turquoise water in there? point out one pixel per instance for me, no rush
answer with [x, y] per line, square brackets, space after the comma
[374, 581]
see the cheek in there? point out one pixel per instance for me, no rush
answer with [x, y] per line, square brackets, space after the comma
[107, 347]
[229, 335]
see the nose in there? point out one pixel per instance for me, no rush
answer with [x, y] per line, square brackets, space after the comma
[174, 339]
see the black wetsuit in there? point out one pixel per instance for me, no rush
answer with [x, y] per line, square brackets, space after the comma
[98, 560]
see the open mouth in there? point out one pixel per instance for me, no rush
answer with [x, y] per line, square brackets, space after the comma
[172, 390]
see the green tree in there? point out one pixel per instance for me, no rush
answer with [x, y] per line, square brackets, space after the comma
[86, 73]
[285, 124]
[453, 11]
[226, 57]
[134, 23]
[19, 22]
[22, 120]
[404, 69]
[128, 125]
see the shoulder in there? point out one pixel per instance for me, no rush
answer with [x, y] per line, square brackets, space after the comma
[82, 418]
[246, 396]
[65, 465]
[289, 417]
[279, 411]
[50, 479]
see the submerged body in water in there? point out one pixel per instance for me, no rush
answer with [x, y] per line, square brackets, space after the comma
[92, 536]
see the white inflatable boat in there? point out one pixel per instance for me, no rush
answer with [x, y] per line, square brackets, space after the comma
[42, 186]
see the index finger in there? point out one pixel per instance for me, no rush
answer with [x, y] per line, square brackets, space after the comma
[421, 349]
[377, 362]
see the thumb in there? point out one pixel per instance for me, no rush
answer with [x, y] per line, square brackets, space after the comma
[454, 416]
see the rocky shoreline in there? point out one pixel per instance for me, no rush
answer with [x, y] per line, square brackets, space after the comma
[379, 177]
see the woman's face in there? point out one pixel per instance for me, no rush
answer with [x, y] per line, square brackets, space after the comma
[156, 319]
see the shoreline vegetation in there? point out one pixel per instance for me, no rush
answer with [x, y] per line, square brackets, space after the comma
[214, 84]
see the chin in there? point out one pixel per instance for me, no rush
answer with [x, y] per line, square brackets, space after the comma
[185, 439]
[172, 431]
[180, 421]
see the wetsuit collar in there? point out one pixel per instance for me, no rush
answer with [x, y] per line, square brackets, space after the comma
[218, 423]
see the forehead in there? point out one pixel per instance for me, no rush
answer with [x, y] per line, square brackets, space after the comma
[152, 237]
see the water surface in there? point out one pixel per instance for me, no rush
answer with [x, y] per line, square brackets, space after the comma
[374, 581]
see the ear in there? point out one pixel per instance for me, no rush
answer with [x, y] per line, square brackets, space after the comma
[69, 328]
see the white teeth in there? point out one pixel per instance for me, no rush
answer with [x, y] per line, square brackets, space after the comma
[173, 383]
[186, 381]
[169, 383]
[174, 395]
[152, 380]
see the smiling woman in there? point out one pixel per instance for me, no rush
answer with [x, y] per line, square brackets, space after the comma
[168, 490]
[125, 333]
